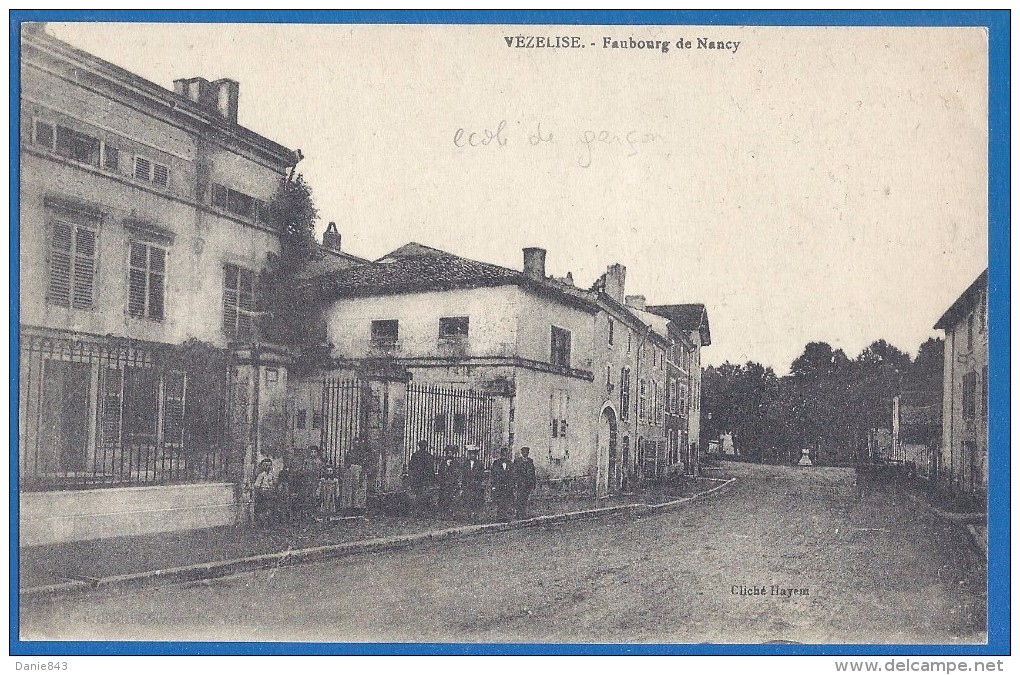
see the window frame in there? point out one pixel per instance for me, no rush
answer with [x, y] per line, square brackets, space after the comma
[75, 225]
[36, 121]
[237, 307]
[150, 176]
[377, 337]
[559, 349]
[146, 314]
[455, 321]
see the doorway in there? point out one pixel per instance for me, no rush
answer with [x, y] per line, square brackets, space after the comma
[66, 396]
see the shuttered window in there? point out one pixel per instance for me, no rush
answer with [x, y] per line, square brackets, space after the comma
[560, 347]
[153, 172]
[174, 388]
[238, 301]
[72, 265]
[142, 168]
[45, 134]
[146, 281]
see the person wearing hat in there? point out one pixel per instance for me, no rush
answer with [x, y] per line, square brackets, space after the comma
[502, 485]
[449, 475]
[524, 481]
[421, 474]
[473, 481]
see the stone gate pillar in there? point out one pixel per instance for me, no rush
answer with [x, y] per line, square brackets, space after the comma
[258, 415]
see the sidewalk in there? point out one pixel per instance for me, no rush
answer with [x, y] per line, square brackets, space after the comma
[198, 554]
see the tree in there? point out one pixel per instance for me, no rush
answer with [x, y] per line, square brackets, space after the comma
[291, 311]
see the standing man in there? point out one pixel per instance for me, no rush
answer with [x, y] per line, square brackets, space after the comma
[448, 480]
[264, 492]
[524, 481]
[502, 485]
[421, 473]
[473, 482]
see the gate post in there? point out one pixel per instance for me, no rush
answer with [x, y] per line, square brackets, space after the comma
[258, 416]
[384, 403]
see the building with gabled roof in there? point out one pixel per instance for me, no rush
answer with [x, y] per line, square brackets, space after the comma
[466, 325]
[962, 464]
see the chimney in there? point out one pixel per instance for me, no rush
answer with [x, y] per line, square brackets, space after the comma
[219, 97]
[227, 92]
[615, 279]
[636, 302]
[195, 89]
[534, 263]
[331, 238]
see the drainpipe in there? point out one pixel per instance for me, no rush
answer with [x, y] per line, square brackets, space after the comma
[253, 432]
[598, 418]
[952, 439]
[637, 399]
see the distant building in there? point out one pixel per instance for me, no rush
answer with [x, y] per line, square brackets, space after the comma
[689, 332]
[917, 431]
[962, 464]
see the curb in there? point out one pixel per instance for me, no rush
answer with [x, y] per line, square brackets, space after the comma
[979, 541]
[222, 568]
[963, 518]
[965, 521]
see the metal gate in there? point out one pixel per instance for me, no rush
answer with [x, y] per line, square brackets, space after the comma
[342, 418]
[450, 416]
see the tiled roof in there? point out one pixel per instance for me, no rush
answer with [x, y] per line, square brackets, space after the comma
[692, 316]
[328, 262]
[964, 303]
[416, 268]
[659, 324]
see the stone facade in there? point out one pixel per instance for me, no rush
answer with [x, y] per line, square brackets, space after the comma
[142, 231]
[963, 461]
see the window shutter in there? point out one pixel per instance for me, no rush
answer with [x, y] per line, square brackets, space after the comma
[157, 272]
[44, 134]
[230, 274]
[219, 196]
[136, 280]
[111, 158]
[60, 264]
[143, 168]
[160, 175]
[174, 388]
[84, 267]
[246, 303]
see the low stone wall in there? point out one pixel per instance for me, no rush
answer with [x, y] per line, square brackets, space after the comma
[75, 515]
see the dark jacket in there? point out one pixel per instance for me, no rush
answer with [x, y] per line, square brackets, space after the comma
[473, 477]
[421, 469]
[502, 474]
[524, 473]
[449, 472]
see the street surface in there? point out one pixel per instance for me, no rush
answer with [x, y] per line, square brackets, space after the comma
[864, 565]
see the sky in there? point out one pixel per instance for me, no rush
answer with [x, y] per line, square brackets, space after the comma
[806, 184]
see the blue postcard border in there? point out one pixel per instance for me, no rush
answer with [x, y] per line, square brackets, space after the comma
[997, 24]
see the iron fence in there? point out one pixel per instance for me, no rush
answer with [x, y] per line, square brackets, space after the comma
[100, 412]
[449, 416]
[342, 420]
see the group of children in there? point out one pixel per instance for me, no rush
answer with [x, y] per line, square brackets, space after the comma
[306, 488]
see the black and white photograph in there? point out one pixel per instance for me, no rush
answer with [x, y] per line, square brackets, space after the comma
[488, 334]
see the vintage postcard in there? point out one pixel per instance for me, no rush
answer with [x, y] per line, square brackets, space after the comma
[501, 333]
